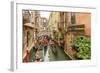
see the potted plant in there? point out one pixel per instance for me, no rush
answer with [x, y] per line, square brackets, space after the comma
[83, 46]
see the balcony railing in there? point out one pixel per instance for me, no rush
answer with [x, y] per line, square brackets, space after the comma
[77, 29]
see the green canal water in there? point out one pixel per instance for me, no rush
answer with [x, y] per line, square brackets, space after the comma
[54, 54]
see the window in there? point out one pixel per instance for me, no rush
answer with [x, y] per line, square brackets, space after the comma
[73, 18]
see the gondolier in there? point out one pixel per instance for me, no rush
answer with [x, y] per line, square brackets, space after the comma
[45, 44]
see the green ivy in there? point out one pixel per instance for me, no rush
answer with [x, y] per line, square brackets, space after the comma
[83, 47]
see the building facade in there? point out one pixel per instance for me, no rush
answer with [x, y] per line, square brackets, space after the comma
[72, 24]
[31, 22]
[77, 24]
[53, 22]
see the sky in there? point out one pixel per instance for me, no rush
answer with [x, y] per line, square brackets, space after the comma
[45, 14]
